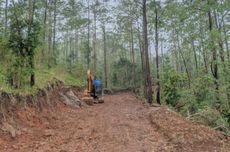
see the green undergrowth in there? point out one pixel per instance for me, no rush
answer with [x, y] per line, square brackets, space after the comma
[120, 89]
[44, 76]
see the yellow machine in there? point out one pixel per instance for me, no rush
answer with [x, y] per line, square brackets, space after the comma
[94, 92]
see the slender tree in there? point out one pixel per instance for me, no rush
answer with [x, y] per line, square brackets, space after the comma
[146, 54]
[54, 32]
[6, 16]
[157, 54]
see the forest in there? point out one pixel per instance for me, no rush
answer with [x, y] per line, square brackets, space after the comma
[170, 52]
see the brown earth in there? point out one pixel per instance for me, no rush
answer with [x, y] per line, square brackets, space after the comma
[122, 124]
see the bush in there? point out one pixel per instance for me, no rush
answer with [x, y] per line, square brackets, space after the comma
[170, 82]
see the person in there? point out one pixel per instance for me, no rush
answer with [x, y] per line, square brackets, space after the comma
[97, 87]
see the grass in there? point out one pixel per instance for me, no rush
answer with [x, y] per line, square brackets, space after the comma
[43, 76]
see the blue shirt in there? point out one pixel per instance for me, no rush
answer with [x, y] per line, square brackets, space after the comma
[97, 83]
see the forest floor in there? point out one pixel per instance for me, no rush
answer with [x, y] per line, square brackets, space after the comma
[122, 124]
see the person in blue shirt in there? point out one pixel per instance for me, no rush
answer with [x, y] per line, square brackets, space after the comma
[97, 87]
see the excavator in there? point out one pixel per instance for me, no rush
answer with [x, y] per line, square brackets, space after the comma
[94, 92]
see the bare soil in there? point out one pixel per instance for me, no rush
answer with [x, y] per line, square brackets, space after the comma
[122, 124]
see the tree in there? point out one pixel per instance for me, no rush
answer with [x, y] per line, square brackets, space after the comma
[6, 16]
[23, 41]
[54, 32]
[157, 52]
[148, 82]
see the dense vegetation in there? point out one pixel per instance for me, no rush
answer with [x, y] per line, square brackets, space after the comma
[172, 52]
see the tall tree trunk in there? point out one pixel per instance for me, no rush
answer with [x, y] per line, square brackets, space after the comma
[146, 55]
[226, 41]
[220, 42]
[133, 59]
[76, 45]
[203, 51]
[88, 45]
[195, 56]
[162, 52]
[214, 66]
[157, 55]
[50, 37]
[71, 54]
[105, 56]
[142, 62]
[6, 16]
[66, 47]
[44, 31]
[202, 48]
[54, 33]
[30, 48]
[95, 39]
[175, 53]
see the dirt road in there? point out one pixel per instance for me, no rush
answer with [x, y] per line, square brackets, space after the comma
[121, 124]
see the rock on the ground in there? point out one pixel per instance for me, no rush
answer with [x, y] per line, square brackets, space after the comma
[88, 100]
[101, 100]
[70, 99]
